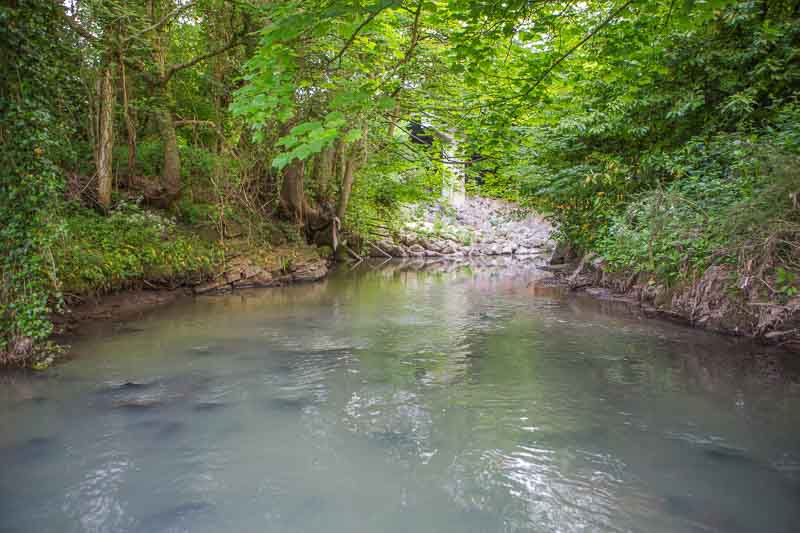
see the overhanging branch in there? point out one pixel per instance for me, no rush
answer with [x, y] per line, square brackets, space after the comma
[352, 38]
[166, 18]
[177, 68]
[572, 50]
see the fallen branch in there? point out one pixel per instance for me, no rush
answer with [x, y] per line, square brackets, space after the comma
[380, 250]
[355, 255]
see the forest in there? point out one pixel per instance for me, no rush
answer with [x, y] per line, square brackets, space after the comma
[148, 142]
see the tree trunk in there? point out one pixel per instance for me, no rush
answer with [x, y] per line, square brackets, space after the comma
[292, 192]
[324, 168]
[356, 158]
[129, 124]
[171, 171]
[347, 186]
[105, 138]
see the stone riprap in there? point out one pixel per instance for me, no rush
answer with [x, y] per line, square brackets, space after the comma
[481, 227]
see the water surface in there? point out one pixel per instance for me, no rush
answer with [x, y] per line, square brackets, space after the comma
[396, 400]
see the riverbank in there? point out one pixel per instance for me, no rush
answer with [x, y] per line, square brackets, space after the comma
[715, 301]
[436, 235]
[135, 257]
[251, 267]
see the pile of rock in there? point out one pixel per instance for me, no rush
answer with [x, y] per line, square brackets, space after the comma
[245, 272]
[481, 227]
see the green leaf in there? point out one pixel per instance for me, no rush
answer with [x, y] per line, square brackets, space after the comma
[352, 136]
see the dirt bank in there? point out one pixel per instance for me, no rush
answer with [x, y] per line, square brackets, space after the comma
[715, 301]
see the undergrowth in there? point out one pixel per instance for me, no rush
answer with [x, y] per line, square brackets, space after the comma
[100, 253]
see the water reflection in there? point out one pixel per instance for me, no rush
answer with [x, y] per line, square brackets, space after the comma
[408, 397]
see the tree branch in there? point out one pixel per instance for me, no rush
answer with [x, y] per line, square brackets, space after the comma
[569, 52]
[411, 47]
[175, 12]
[74, 24]
[177, 68]
[352, 38]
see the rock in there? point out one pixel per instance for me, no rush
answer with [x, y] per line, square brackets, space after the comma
[311, 271]
[495, 228]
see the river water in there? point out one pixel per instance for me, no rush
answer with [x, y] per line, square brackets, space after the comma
[388, 399]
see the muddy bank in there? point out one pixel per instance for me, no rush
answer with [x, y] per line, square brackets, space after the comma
[715, 301]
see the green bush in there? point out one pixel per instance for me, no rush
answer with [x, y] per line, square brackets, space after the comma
[687, 159]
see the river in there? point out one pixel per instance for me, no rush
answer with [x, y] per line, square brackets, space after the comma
[388, 399]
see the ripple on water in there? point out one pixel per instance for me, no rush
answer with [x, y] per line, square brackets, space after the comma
[403, 402]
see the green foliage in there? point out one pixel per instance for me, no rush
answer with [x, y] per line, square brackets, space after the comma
[662, 143]
[98, 253]
[29, 181]
[198, 163]
[786, 282]
[35, 72]
[662, 135]
[384, 187]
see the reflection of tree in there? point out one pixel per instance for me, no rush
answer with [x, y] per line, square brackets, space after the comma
[533, 407]
[516, 406]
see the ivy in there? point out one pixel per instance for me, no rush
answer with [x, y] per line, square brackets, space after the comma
[35, 73]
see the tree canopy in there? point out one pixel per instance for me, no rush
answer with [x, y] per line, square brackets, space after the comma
[650, 131]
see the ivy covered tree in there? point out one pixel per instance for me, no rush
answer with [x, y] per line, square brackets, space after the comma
[38, 103]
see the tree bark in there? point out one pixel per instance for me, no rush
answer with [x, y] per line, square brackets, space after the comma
[347, 186]
[292, 192]
[352, 162]
[105, 138]
[171, 171]
[129, 124]
[324, 168]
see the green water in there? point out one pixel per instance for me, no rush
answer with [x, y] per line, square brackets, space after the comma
[391, 400]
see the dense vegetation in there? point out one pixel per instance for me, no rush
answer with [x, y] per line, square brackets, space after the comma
[138, 136]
